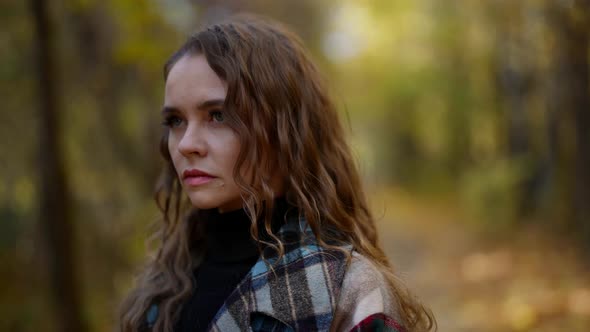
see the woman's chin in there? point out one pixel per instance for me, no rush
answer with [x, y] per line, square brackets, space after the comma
[203, 204]
[209, 203]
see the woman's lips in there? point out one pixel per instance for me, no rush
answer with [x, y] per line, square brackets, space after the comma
[195, 177]
[197, 180]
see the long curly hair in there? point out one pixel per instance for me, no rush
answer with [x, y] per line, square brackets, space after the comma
[287, 124]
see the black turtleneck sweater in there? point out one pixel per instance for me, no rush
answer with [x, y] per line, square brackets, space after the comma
[230, 252]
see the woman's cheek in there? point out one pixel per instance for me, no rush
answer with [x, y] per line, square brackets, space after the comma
[173, 150]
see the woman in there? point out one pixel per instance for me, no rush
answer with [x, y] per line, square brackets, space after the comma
[265, 223]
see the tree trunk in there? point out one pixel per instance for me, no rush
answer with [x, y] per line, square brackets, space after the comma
[55, 222]
[570, 99]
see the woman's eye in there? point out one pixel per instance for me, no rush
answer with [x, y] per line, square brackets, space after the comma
[216, 116]
[172, 121]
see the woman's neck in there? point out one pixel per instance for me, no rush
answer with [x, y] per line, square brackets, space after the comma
[228, 237]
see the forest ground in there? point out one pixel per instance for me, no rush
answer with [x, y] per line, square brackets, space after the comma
[475, 279]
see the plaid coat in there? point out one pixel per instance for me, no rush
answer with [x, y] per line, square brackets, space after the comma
[309, 289]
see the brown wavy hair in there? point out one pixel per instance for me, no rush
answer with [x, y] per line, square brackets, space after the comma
[287, 123]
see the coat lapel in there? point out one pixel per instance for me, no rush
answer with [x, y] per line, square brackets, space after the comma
[297, 292]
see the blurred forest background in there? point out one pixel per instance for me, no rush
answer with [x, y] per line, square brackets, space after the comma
[470, 120]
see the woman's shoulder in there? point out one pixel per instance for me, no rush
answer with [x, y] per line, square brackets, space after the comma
[366, 300]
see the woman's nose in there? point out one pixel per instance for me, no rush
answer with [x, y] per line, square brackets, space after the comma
[193, 142]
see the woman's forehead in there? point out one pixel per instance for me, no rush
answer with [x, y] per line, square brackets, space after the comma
[191, 80]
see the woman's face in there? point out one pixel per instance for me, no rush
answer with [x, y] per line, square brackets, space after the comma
[203, 147]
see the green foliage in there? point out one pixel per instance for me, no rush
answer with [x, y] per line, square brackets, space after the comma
[492, 192]
[451, 91]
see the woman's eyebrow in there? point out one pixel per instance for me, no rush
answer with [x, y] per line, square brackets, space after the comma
[210, 103]
[200, 106]
[169, 109]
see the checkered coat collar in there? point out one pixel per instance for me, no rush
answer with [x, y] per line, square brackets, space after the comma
[297, 292]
